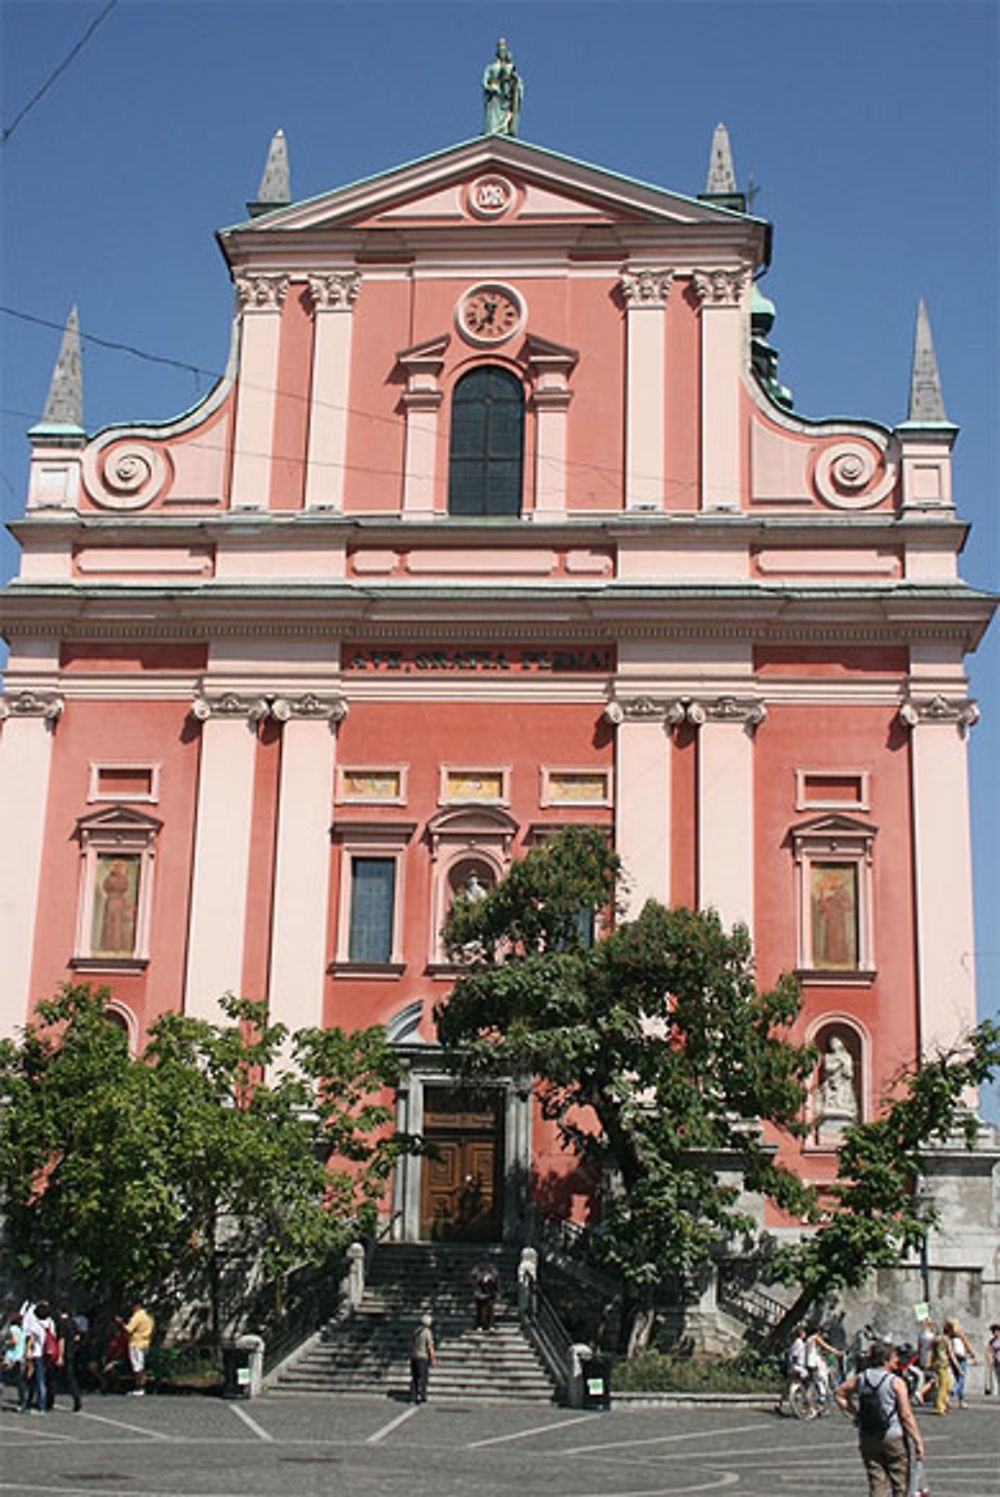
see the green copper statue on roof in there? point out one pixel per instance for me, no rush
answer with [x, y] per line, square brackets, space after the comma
[503, 93]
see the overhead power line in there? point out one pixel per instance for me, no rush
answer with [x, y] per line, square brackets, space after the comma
[41, 92]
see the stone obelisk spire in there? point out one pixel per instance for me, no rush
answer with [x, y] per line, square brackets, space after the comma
[275, 190]
[926, 401]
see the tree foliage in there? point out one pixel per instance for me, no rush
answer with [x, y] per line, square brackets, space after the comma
[217, 1137]
[874, 1213]
[656, 1032]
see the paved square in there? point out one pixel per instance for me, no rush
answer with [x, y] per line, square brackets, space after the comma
[303, 1447]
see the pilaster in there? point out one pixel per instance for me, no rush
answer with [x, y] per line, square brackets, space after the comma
[222, 848]
[942, 854]
[720, 293]
[333, 295]
[642, 794]
[645, 291]
[260, 299]
[726, 727]
[27, 724]
[421, 401]
[299, 951]
[551, 365]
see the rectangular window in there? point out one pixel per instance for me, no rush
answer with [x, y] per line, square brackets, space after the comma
[373, 887]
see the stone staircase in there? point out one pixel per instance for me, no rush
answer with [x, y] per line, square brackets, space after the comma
[369, 1352]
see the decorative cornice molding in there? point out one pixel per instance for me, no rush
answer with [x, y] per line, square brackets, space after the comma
[720, 288]
[646, 288]
[46, 704]
[335, 290]
[261, 293]
[961, 712]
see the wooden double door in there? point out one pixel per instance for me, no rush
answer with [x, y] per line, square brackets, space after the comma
[461, 1196]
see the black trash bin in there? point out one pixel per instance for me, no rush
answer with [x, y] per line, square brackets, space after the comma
[236, 1371]
[596, 1382]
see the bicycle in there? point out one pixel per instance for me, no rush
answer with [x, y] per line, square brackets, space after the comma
[809, 1396]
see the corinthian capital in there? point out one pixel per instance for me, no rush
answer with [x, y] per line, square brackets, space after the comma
[646, 288]
[46, 704]
[261, 293]
[720, 288]
[334, 291]
[962, 712]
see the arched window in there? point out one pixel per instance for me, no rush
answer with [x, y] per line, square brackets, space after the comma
[487, 442]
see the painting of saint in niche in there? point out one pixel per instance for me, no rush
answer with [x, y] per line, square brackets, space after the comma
[834, 915]
[116, 900]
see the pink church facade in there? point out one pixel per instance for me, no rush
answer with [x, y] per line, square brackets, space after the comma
[498, 521]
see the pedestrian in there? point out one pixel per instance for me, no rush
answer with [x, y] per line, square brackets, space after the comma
[41, 1352]
[70, 1340]
[944, 1367]
[485, 1290]
[883, 1415]
[961, 1349]
[817, 1358]
[991, 1368]
[14, 1346]
[139, 1330]
[422, 1359]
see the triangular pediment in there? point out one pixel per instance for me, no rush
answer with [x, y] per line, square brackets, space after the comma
[834, 825]
[118, 818]
[467, 184]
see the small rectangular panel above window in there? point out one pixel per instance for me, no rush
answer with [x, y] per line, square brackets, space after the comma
[575, 787]
[117, 781]
[831, 789]
[460, 785]
[372, 784]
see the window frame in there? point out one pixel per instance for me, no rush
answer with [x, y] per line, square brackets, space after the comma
[383, 840]
[485, 511]
[137, 766]
[838, 840]
[115, 831]
[806, 802]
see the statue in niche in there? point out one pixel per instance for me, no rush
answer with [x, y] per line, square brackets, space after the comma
[837, 1098]
[474, 888]
[503, 93]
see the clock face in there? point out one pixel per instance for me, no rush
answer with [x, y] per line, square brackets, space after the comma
[489, 314]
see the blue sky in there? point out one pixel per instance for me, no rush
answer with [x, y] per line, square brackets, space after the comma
[870, 129]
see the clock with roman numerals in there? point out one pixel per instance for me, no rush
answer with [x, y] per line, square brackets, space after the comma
[490, 314]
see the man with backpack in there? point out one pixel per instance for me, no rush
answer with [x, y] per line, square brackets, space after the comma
[882, 1413]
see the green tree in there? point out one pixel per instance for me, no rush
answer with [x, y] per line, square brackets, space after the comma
[874, 1213]
[134, 1172]
[652, 1049]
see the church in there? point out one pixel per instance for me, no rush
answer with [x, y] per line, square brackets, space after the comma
[499, 521]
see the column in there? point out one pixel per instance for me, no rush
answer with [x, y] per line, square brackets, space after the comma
[217, 916]
[260, 298]
[334, 294]
[725, 805]
[27, 721]
[642, 796]
[551, 365]
[299, 951]
[942, 851]
[645, 292]
[422, 402]
[721, 293]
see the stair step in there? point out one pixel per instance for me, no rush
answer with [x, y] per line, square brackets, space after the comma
[369, 1352]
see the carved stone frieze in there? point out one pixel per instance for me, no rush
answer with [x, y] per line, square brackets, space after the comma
[646, 288]
[46, 704]
[963, 711]
[261, 293]
[334, 291]
[720, 288]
